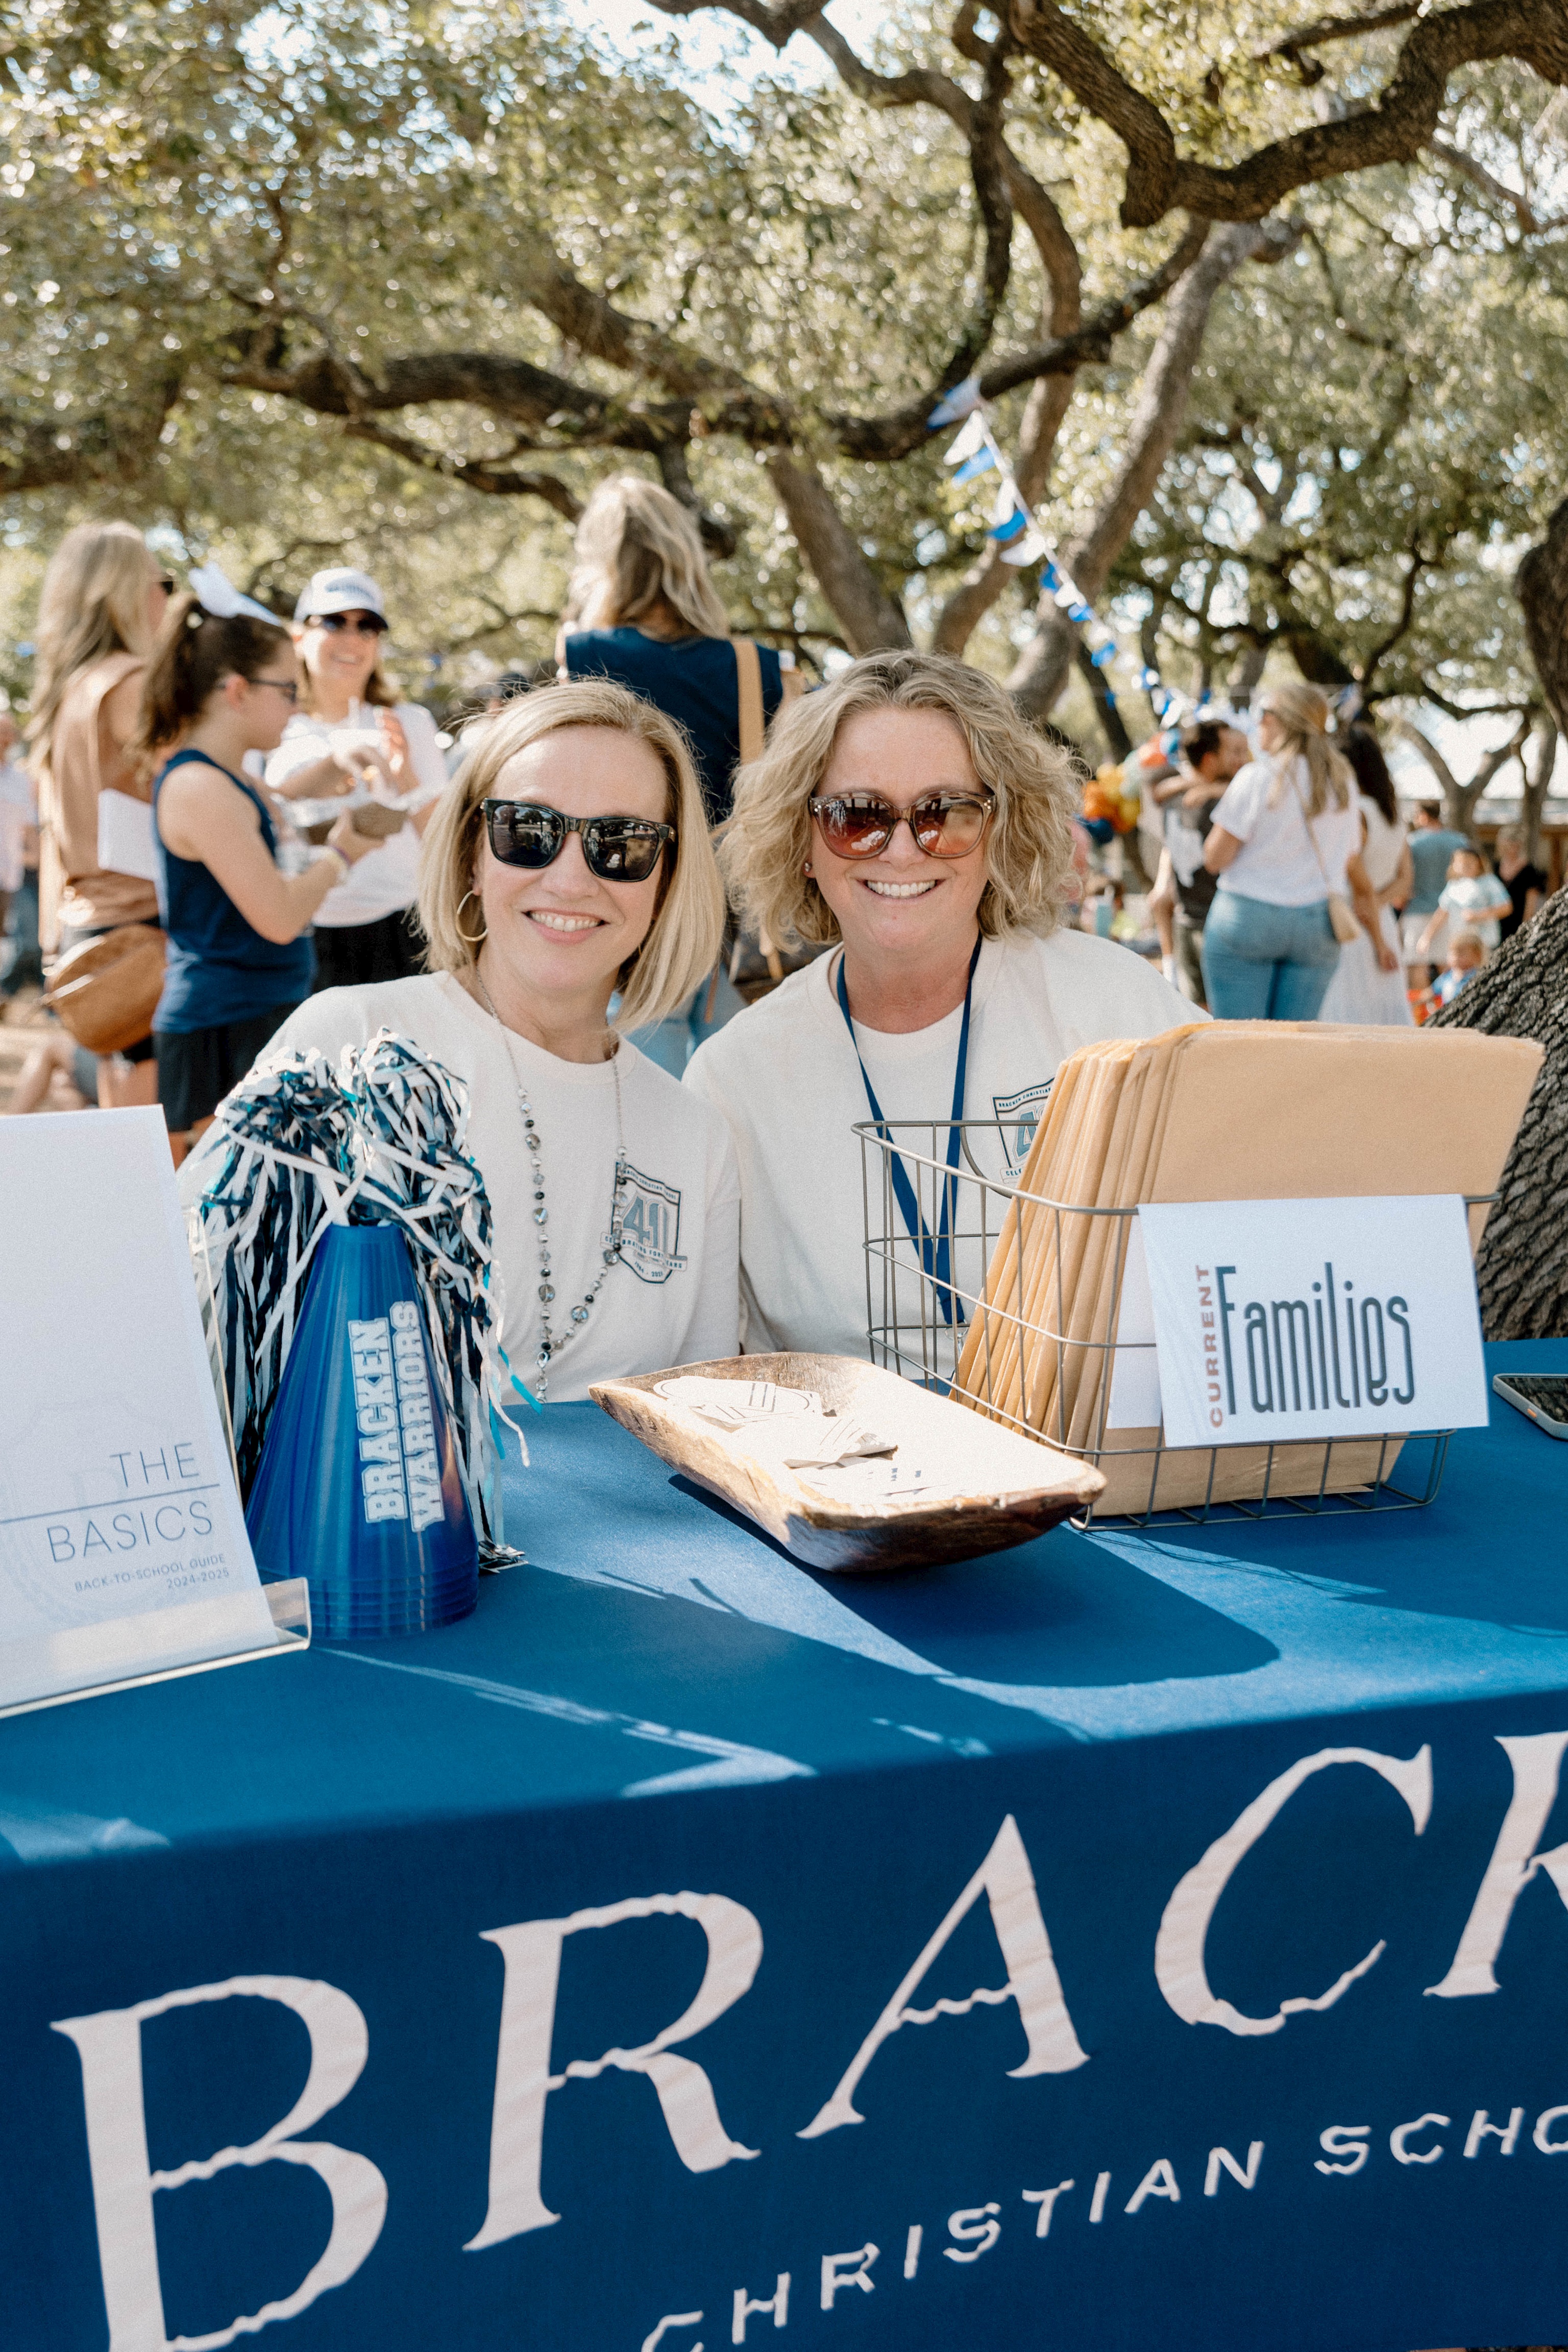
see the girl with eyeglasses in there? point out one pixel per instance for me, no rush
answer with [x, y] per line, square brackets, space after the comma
[907, 817]
[569, 864]
[367, 929]
[238, 958]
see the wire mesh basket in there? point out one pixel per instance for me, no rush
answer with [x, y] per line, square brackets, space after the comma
[1051, 1335]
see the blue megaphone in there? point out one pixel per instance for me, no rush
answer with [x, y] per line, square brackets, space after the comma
[358, 1489]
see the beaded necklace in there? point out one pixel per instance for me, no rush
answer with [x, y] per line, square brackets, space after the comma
[550, 1347]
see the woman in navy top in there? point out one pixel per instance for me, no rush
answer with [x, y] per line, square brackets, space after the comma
[238, 958]
[643, 610]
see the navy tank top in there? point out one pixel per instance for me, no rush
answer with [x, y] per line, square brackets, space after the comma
[216, 968]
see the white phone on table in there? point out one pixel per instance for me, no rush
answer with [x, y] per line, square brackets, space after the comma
[1542, 1397]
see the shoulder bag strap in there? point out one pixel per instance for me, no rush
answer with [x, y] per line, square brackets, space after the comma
[1312, 839]
[749, 689]
[1344, 920]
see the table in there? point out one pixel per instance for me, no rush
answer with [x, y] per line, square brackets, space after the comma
[1161, 1846]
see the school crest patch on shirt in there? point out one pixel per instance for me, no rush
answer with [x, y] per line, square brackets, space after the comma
[1020, 1115]
[650, 1226]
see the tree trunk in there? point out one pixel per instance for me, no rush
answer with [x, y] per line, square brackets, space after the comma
[1043, 669]
[1522, 1264]
[1113, 726]
[1456, 805]
[1247, 670]
[1459, 800]
[719, 538]
[870, 619]
[1540, 584]
[1536, 788]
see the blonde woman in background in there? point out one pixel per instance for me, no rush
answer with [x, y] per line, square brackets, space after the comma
[570, 862]
[102, 601]
[907, 816]
[642, 609]
[1280, 841]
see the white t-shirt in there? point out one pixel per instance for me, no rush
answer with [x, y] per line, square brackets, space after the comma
[785, 1076]
[18, 789]
[18, 810]
[388, 879]
[672, 1297]
[1276, 861]
[13, 824]
[1475, 902]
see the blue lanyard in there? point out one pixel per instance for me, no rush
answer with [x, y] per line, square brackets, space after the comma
[935, 1255]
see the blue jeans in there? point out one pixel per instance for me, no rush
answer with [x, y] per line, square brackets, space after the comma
[27, 969]
[1263, 962]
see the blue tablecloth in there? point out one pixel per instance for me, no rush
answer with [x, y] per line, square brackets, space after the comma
[981, 1856]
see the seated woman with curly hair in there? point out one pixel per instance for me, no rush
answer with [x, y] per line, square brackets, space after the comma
[907, 815]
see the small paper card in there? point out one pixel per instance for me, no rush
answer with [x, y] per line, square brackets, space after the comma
[1283, 1321]
[124, 1552]
[125, 836]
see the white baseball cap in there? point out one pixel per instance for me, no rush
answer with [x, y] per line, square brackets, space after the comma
[339, 592]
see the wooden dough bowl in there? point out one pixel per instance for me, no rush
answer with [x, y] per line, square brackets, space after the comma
[1006, 1489]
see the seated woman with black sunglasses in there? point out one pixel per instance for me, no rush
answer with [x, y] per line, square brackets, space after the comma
[907, 814]
[569, 860]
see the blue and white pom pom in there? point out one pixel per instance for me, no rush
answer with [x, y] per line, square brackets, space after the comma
[298, 1147]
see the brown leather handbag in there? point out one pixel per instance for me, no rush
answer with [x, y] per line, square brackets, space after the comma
[106, 990]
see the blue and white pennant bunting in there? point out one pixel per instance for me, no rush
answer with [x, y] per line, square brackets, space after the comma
[1019, 540]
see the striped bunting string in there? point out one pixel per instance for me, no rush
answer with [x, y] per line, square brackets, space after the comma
[1018, 539]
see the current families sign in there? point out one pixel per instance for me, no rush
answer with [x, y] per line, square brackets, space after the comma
[1297, 1319]
[123, 1545]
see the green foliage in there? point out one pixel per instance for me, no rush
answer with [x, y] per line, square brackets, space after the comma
[1374, 436]
[197, 198]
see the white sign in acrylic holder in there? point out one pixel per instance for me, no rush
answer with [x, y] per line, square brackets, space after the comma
[123, 1553]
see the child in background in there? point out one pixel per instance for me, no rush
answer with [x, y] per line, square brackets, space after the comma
[1473, 898]
[1466, 956]
[1103, 907]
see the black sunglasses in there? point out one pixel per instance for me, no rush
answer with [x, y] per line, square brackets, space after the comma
[615, 848]
[861, 825]
[369, 624]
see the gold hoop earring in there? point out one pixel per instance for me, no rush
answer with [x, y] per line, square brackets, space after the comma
[457, 921]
